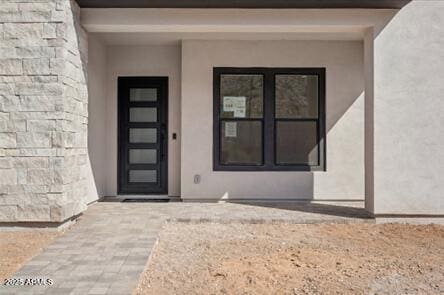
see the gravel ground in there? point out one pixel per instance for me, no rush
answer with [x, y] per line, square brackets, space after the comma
[16, 248]
[296, 259]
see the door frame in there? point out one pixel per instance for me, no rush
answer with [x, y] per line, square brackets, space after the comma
[124, 83]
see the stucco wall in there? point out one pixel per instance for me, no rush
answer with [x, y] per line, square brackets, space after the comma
[408, 112]
[344, 179]
[143, 61]
[97, 66]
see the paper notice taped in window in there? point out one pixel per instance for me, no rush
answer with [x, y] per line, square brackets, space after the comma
[235, 104]
[230, 129]
[239, 113]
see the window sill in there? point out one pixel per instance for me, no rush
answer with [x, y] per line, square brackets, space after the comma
[238, 168]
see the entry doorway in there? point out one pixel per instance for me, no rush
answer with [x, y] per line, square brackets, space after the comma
[143, 135]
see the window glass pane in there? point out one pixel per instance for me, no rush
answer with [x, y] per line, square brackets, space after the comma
[296, 96]
[143, 94]
[142, 156]
[296, 143]
[143, 135]
[241, 142]
[241, 96]
[143, 114]
[143, 176]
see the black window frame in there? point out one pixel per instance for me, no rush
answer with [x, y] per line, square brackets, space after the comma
[269, 119]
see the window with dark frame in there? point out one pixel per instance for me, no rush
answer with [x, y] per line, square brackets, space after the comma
[269, 119]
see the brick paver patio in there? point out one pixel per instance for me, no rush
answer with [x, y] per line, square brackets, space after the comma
[106, 251]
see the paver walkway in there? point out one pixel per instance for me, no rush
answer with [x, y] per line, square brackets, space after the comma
[107, 249]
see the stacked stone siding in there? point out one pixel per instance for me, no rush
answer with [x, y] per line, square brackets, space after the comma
[43, 111]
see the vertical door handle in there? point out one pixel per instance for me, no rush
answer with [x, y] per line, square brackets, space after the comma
[163, 137]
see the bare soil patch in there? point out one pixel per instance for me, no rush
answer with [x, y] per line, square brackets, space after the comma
[16, 248]
[296, 259]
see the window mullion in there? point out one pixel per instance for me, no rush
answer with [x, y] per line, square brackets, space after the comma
[269, 124]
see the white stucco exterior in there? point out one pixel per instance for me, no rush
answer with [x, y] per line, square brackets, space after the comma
[344, 178]
[194, 61]
[408, 112]
[130, 61]
[97, 125]
[368, 100]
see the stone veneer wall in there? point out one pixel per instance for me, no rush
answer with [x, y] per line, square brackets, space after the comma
[43, 111]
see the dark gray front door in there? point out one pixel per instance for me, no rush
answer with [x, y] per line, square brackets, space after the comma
[143, 114]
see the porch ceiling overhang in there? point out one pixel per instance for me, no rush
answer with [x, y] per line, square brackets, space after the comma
[378, 4]
[217, 23]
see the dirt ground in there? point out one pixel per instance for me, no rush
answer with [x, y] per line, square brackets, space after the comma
[16, 248]
[296, 259]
